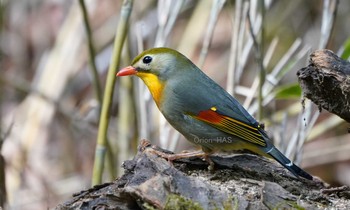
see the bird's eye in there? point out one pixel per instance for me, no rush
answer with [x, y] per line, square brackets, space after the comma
[147, 59]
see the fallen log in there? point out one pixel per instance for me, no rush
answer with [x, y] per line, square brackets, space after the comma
[242, 181]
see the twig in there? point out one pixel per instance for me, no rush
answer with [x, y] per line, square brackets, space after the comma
[3, 193]
[254, 86]
[92, 54]
[234, 48]
[279, 71]
[173, 16]
[244, 47]
[328, 19]
[324, 126]
[215, 10]
[259, 57]
[194, 28]
[262, 74]
[163, 11]
[107, 98]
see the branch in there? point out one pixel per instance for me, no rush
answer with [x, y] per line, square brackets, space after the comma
[326, 82]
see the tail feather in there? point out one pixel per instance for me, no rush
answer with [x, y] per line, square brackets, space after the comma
[288, 164]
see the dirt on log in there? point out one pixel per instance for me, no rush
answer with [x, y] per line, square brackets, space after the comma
[326, 82]
[241, 181]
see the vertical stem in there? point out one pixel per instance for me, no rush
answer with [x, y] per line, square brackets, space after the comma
[96, 80]
[92, 54]
[2, 160]
[328, 18]
[259, 57]
[232, 66]
[261, 61]
[107, 98]
[214, 14]
[3, 194]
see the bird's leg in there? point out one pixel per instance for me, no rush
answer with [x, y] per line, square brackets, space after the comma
[209, 161]
[188, 155]
[200, 154]
[172, 157]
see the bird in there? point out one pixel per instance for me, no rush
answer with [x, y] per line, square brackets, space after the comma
[200, 109]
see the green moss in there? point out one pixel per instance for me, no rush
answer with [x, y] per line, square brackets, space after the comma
[292, 204]
[228, 204]
[148, 206]
[177, 202]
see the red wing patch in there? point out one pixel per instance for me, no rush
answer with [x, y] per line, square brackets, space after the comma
[210, 116]
[231, 126]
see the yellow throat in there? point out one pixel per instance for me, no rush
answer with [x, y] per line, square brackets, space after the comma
[154, 85]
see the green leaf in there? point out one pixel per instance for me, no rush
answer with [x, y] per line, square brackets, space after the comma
[346, 54]
[289, 91]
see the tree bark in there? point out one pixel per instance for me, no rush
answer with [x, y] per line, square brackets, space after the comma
[326, 82]
[241, 181]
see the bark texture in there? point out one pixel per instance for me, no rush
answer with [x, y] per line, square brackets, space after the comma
[326, 82]
[238, 182]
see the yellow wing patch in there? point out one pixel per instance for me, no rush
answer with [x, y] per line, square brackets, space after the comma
[231, 126]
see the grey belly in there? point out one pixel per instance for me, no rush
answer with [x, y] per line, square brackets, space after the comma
[200, 133]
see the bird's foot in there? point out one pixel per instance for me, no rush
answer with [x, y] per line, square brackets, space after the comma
[210, 162]
[172, 157]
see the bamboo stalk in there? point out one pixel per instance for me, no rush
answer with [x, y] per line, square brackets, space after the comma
[109, 89]
[96, 80]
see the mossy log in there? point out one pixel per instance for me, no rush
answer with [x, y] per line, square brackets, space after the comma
[242, 181]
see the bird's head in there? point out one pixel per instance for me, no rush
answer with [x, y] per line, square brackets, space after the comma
[160, 62]
[155, 67]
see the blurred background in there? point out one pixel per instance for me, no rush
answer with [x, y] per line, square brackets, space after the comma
[49, 111]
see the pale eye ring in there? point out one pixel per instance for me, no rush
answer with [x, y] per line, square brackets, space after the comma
[147, 59]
